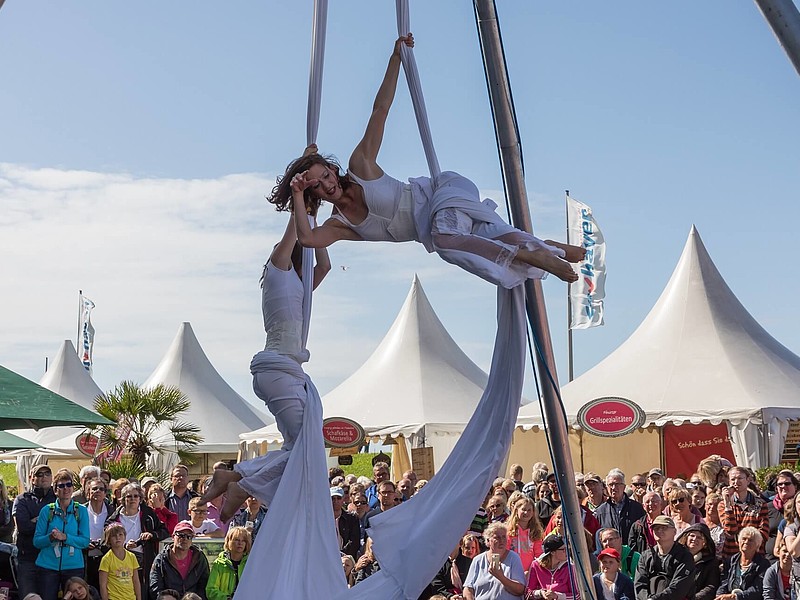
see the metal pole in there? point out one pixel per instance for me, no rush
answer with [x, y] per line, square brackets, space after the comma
[511, 162]
[784, 18]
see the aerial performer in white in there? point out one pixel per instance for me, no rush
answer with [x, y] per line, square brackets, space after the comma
[445, 213]
[278, 377]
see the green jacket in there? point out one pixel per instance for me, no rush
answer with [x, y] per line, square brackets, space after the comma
[222, 580]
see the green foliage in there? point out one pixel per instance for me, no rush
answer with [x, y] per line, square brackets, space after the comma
[8, 472]
[763, 474]
[153, 418]
[362, 465]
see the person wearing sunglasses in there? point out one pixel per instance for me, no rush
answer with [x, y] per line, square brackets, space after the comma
[143, 528]
[184, 555]
[99, 508]
[62, 533]
[680, 508]
[25, 511]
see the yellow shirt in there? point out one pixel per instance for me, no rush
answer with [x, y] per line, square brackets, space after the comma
[120, 575]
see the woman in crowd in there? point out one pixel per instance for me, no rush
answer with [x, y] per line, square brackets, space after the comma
[713, 521]
[115, 490]
[697, 540]
[445, 214]
[496, 574]
[713, 471]
[697, 494]
[641, 537]
[525, 532]
[227, 568]
[777, 579]
[78, 589]
[680, 505]
[143, 529]
[462, 557]
[789, 516]
[496, 509]
[62, 533]
[611, 583]
[6, 520]
[542, 489]
[99, 508]
[743, 573]
[786, 486]
[551, 577]
[157, 500]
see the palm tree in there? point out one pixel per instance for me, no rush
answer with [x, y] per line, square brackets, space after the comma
[147, 422]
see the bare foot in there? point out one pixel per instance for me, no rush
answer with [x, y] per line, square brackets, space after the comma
[573, 254]
[543, 259]
[218, 484]
[234, 498]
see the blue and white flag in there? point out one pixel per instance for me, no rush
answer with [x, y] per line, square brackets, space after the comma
[586, 295]
[87, 333]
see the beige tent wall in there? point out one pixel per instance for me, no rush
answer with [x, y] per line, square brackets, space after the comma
[637, 452]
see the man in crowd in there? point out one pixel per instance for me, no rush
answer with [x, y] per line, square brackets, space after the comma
[347, 526]
[610, 538]
[595, 491]
[741, 508]
[639, 485]
[180, 566]
[86, 474]
[618, 512]
[655, 479]
[380, 473]
[515, 475]
[26, 513]
[179, 496]
[666, 570]
[386, 495]
[641, 534]
[405, 489]
[412, 477]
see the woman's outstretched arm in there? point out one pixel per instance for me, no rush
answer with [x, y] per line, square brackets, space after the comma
[326, 234]
[363, 161]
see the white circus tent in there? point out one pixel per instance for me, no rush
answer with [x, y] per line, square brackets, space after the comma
[219, 412]
[418, 387]
[698, 356]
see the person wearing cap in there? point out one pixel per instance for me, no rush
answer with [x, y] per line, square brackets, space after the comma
[496, 574]
[25, 511]
[551, 500]
[551, 577]
[743, 573]
[611, 583]
[655, 479]
[629, 559]
[697, 539]
[666, 570]
[619, 511]
[348, 529]
[595, 491]
[146, 482]
[177, 558]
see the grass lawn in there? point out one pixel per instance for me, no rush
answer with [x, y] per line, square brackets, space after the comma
[362, 465]
[8, 471]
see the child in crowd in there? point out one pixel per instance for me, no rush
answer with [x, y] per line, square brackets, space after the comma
[198, 519]
[119, 577]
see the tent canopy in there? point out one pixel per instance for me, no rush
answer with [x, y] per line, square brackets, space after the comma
[25, 404]
[9, 441]
[219, 412]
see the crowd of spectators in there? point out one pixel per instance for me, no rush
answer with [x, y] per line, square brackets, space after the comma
[715, 536]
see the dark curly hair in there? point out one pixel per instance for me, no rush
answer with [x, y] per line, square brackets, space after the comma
[281, 195]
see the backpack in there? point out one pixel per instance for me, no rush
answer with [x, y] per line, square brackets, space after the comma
[52, 513]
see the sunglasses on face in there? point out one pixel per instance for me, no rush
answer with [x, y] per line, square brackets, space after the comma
[93, 490]
[42, 474]
[638, 484]
[783, 484]
[132, 497]
[66, 484]
[359, 503]
[678, 501]
[184, 536]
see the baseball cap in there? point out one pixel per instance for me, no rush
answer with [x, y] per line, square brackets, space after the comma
[609, 552]
[146, 480]
[551, 543]
[655, 471]
[592, 477]
[663, 520]
[550, 476]
[183, 527]
[38, 468]
[337, 491]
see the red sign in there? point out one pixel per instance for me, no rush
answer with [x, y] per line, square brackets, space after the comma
[87, 443]
[340, 432]
[686, 445]
[610, 417]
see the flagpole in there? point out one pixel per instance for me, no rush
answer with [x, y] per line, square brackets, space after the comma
[570, 370]
[80, 309]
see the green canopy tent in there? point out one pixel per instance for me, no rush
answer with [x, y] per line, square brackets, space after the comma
[27, 405]
[10, 441]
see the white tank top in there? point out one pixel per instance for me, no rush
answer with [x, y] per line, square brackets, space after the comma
[282, 307]
[391, 211]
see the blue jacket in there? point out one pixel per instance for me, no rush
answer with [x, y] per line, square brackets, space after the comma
[60, 556]
[623, 587]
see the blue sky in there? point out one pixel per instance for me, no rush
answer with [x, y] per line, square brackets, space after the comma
[138, 141]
